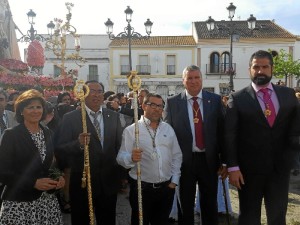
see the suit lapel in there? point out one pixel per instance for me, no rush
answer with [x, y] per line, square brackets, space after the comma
[206, 101]
[182, 101]
[281, 102]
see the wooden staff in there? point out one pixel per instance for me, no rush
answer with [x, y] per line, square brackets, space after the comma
[81, 91]
[134, 82]
[226, 202]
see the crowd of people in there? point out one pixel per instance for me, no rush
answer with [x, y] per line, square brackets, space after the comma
[187, 147]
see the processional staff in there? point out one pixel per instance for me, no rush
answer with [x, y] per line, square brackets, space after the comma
[134, 82]
[81, 91]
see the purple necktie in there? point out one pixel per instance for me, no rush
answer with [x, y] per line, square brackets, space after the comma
[269, 111]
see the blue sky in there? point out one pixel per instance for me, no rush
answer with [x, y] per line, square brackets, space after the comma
[169, 17]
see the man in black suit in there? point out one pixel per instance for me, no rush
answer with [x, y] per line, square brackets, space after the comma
[261, 130]
[104, 140]
[200, 146]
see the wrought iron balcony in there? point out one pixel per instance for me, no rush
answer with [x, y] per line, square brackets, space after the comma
[143, 69]
[171, 70]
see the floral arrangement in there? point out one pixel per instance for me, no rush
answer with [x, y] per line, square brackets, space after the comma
[51, 86]
[14, 65]
[35, 57]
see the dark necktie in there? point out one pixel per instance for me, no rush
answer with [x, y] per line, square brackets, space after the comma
[198, 124]
[2, 124]
[96, 123]
[269, 111]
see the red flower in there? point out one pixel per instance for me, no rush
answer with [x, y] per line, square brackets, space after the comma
[35, 57]
[14, 65]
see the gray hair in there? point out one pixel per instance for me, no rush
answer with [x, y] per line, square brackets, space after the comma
[190, 68]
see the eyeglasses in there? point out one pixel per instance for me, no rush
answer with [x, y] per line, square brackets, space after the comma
[155, 106]
[93, 91]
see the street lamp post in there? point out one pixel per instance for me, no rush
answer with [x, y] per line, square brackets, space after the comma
[233, 34]
[31, 33]
[128, 32]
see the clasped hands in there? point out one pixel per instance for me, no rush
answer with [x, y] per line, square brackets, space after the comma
[46, 184]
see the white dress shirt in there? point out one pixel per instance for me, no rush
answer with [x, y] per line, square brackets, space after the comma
[158, 164]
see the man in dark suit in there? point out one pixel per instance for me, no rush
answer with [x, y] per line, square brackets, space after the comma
[200, 145]
[104, 140]
[261, 129]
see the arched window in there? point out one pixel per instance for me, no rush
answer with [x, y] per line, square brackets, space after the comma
[225, 61]
[214, 62]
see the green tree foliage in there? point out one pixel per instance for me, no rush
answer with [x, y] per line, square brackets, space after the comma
[285, 66]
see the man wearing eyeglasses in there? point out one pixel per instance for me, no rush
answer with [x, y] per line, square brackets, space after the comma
[197, 118]
[160, 158]
[103, 140]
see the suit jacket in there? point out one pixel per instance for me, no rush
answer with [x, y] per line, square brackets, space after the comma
[176, 114]
[103, 165]
[251, 143]
[21, 164]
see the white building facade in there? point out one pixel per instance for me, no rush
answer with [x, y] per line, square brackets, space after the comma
[160, 60]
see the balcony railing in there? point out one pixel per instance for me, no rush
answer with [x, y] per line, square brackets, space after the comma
[125, 69]
[143, 69]
[93, 77]
[170, 69]
[219, 69]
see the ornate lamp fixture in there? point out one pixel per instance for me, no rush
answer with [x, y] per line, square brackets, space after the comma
[58, 41]
[31, 33]
[128, 32]
[233, 35]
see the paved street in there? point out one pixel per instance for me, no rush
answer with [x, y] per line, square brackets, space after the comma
[123, 211]
[123, 208]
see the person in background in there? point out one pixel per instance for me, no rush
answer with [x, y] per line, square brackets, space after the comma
[103, 140]
[113, 103]
[160, 158]
[122, 99]
[262, 128]
[64, 100]
[197, 118]
[11, 100]
[129, 111]
[7, 117]
[7, 120]
[26, 157]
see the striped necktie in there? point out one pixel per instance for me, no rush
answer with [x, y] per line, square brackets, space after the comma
[96, 123]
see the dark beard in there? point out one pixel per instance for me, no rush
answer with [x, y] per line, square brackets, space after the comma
[261, 79]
